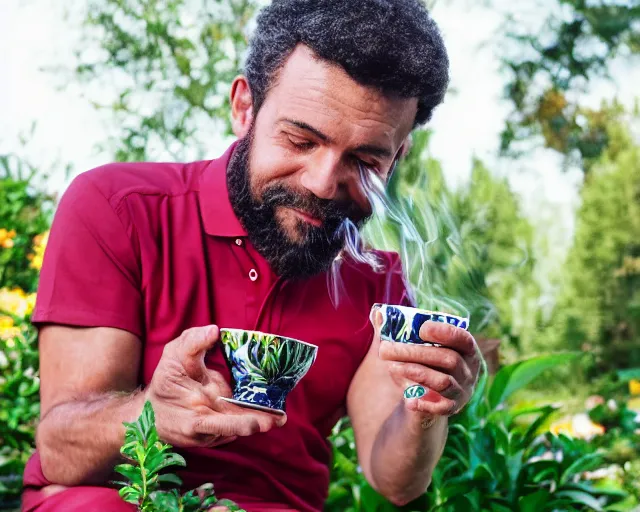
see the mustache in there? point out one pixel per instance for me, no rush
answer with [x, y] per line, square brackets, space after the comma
[331, 212]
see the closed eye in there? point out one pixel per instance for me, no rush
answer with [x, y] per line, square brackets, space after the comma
[301, 144]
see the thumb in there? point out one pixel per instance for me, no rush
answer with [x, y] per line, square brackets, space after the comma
[194, 343]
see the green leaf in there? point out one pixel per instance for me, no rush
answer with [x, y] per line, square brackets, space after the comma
[170, 478]
[483, 472]
[169, 459]
[514, 377]
[532, 430]
[130, 472]
[582, 498]
[130, 495]
[374, 502]
[498, 507]
[166, 501]
[191, 501]
[587, 462]
[533, 502]
[543, 470]
[628, 374]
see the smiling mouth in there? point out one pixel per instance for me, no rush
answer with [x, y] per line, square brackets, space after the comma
[314, 221]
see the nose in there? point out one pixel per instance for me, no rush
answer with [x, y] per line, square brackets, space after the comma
[323, 176]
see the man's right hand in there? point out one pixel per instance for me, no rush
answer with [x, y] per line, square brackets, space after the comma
[186, 397]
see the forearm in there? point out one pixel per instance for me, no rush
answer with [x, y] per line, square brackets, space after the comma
[405, 454]
[79, 442]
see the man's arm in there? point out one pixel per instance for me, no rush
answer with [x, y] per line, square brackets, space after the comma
[400, 441]
[89, 378]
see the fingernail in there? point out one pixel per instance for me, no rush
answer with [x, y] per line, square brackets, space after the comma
[416, 391]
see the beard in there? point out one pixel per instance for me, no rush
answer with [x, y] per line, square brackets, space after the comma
[316, 247]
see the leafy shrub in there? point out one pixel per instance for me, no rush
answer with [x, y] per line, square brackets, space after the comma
[19, 407]
[24, 219]
[146, 473]
[25, 214]
[493, 460]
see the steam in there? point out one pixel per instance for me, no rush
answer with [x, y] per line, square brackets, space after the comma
[430, 244]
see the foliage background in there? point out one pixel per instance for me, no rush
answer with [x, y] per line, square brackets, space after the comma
[169, 65]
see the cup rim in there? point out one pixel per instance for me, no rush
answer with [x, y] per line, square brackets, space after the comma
[268, 334]
[420, 310]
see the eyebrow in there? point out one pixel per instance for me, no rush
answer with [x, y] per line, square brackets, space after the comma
[370, 149]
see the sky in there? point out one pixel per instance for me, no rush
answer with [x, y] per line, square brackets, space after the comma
[35, 35]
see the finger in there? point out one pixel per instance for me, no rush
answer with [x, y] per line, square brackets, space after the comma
[376, 318]
[227, 425]
[194, 342]
[408, 374]
[440, 358]
[242, 425]
[434, 404]
[267, 420]
[192, 346]
[449, 336]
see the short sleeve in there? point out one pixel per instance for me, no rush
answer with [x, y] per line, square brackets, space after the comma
[90, 275]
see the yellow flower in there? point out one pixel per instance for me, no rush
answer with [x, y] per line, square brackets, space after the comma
[6, 238]
[563, 427]
[579, 426]
[634, 387]
[5, 322]
[634, 404]
[16, 302]
[7, 328]
[39, 246]
[31, 302]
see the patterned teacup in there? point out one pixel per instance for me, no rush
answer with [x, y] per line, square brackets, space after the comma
[402, 323]
[265, 367]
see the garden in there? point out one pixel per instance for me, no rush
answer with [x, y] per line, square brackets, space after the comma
[554, 424]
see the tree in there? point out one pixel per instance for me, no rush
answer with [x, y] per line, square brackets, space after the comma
[172, 63]
[550, 69]
[599, 308]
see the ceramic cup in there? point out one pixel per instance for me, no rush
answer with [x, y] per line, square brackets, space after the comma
[402, 323]
[265, 367]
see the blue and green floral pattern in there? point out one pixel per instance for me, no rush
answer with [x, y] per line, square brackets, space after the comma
[402, 323]
[265, 367]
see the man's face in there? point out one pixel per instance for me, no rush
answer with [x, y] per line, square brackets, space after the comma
[295, 179]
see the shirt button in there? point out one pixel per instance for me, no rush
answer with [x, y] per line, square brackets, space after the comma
[253, 275]
[238, 242]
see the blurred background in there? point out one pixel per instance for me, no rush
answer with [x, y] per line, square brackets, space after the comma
[528, 177]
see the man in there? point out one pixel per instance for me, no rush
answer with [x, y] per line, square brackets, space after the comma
[145, 261]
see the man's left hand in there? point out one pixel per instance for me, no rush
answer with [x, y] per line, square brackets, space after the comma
[448, 373]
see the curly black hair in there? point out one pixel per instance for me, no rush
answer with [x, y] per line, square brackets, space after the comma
[391, 45]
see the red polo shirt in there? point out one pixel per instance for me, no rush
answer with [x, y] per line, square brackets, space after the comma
[155, 249]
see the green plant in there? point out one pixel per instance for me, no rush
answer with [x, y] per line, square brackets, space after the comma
[25, 212]
[598, 308]
[19, 407]
[494, 459]
[149, 458]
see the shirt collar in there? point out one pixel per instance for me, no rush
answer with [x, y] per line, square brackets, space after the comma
[217, 213]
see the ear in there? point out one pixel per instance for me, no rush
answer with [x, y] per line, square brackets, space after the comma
[241, 107]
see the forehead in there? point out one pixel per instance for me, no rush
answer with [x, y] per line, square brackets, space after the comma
[325, 96]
